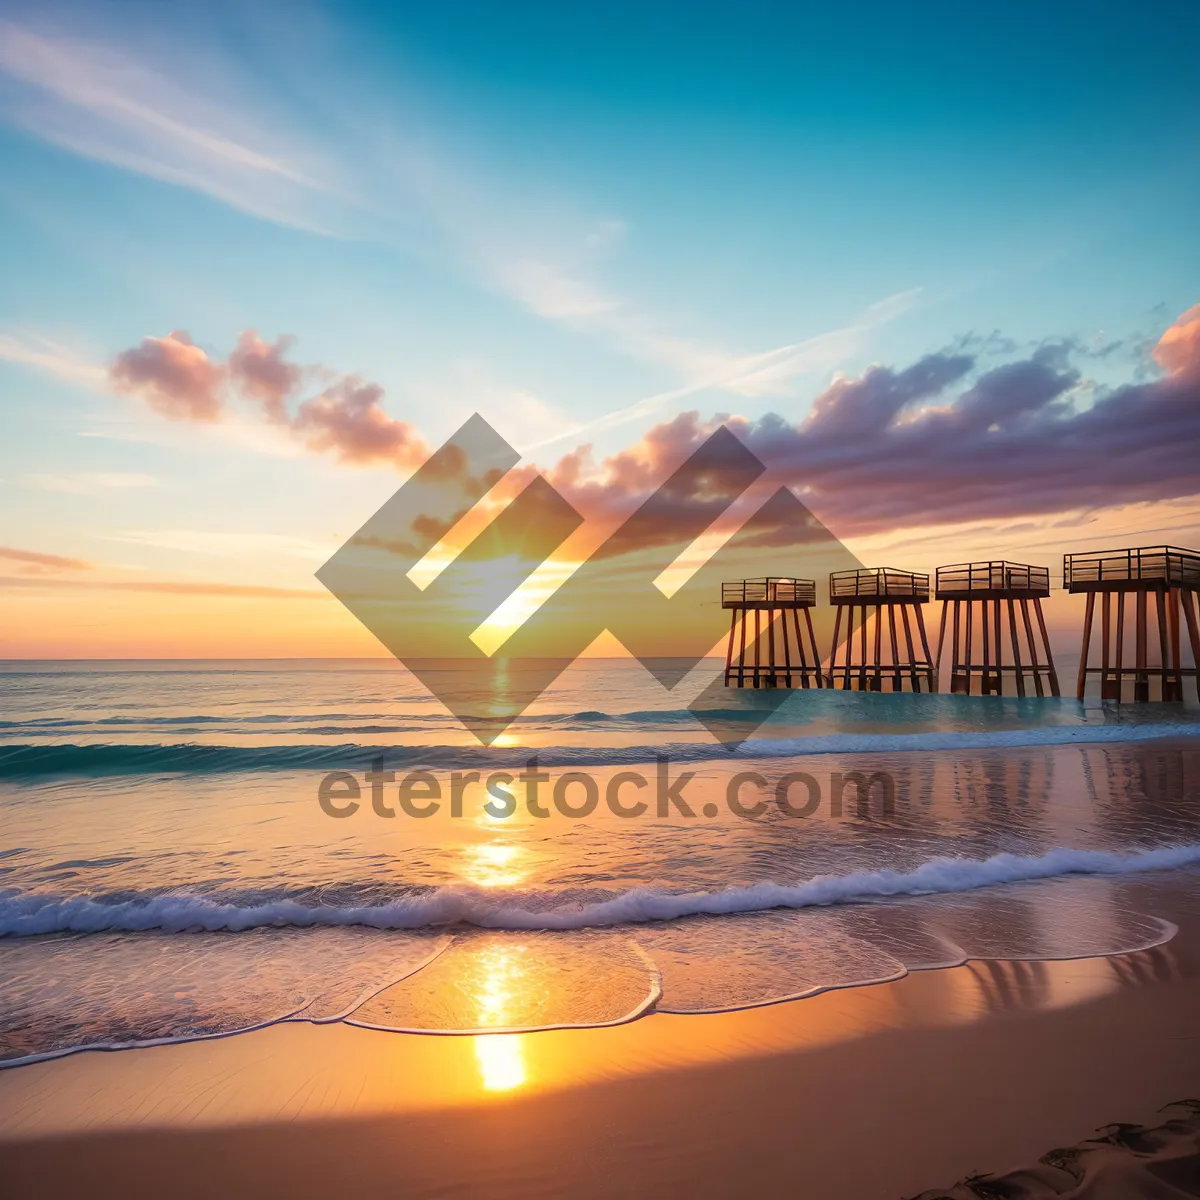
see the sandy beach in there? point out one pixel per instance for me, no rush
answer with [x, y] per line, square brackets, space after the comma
[881, 1091]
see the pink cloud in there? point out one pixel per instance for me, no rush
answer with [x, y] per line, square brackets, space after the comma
[349, 421]
[940, 441]
[346, 419]
[259, 370]
[1178, 350]
[175, 376]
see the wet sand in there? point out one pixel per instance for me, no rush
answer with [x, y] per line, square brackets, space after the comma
[881, 1091]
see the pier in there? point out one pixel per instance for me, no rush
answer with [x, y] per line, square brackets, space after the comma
[770, 602]
[991, 618]
[880, 596]
[982, 600]
[1125, 582]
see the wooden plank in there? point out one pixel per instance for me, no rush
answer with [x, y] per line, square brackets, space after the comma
[1105, 635]
[942, 639]
[833, 657]
[897, 682]
[1087, 641]
[1161, 612]
[812, 641]
[968, 645]
[729, 648]
[1190, 603]
[757, 644]
[908, 642]
[985, 676]
[742, 655]
[998, 643]
[1141, 681]
[771, 646]
[1120, 641]
[1018, 670]
[933, 679]
[1037, 608]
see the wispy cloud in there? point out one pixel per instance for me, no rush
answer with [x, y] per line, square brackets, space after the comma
[762, 374]
[168, 587]
[224, 544]
[91, 483]
[35, 558]
[107, 103]
[134, 108]
[33, 350]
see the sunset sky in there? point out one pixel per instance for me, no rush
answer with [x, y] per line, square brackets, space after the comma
[939, 269]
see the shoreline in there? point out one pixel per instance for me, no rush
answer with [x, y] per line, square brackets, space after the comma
[881, 1090]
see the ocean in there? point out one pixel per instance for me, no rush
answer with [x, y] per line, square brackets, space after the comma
[195, 848]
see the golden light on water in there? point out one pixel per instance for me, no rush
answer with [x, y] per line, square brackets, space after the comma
[494, 864]
[499, 977]
[501, 1061]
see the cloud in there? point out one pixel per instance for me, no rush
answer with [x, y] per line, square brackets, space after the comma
[90, 483]
[752, 375]
[347, 419]
[1178, 350]
[890, 449]
[260, 370]
[169, 587]
[225, 544]
[34, 351]
[107, 103]
[175, 376]
[152, 109]
[51, 561]
[933, 443]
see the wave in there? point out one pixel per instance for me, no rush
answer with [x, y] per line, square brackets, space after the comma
[32, 915]
[30, 761]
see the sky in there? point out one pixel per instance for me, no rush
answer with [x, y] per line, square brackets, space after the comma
[938, 266]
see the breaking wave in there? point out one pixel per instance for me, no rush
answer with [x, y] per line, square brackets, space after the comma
[29, 915]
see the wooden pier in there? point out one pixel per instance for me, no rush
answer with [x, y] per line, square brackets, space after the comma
[982, 599]
[1168, 574]
[770, 602]
[883, 595]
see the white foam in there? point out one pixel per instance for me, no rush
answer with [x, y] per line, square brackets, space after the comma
[32, 915]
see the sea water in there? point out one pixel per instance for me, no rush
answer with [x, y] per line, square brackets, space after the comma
[168, 871]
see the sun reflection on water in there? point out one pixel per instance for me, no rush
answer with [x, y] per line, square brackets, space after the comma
[494, 864]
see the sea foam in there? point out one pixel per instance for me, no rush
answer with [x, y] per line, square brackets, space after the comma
[34, 914]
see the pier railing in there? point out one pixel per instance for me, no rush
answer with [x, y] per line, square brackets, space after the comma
[777, 590]
[998, 576]
[1169, 566]
[882, 583]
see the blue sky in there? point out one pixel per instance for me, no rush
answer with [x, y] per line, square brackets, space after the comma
[579, 223]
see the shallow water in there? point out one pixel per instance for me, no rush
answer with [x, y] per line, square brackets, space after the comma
[167, 870]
